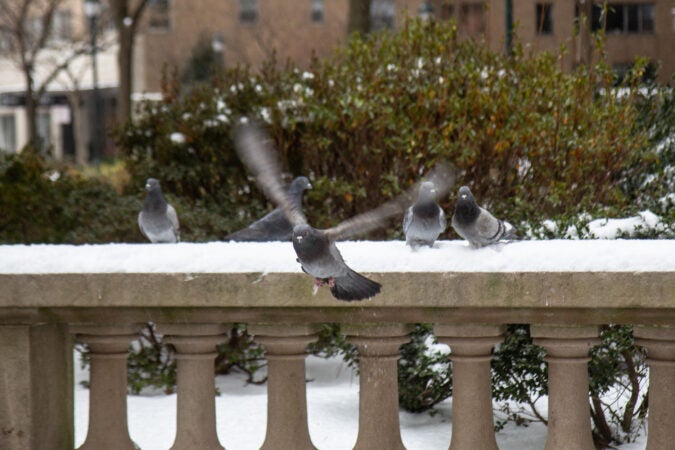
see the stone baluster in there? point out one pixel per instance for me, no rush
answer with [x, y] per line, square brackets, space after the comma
[660, 345]
[567, 347]
[378, 348]
[36, 385]
[471, 352]
[195, 346]
[109, 348]
[285, 347]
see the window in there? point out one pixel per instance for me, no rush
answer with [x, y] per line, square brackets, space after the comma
[61, 27]
[472, 18]
[544, 18]
[248, 11]
[624, 18]
[159, 15]
[44, 128]
[317, 11]
[381, 14]
[7, 133]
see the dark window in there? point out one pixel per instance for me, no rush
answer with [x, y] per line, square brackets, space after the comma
[248, 11]
[317, 11]
[472, 18]
[544, 18]
[381, 14]
[624, 18]
[159, 15]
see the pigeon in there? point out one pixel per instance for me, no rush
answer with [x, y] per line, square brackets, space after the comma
[476, 224]
[316, 251]
[424, 220]
[158, 220]
[274, 226]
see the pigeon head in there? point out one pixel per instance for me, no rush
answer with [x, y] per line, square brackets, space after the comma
[427, 192]
[152, 184]
[308, 242]
[299, 185]
[466, 208]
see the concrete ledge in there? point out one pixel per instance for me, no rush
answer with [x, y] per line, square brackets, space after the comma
[547, 290]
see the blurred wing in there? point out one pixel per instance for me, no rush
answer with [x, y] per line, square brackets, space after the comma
[407, 219]
[443, 177]
[255, 151]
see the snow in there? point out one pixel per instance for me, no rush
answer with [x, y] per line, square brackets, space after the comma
[367, 256]
[332, 409]
[610, 228]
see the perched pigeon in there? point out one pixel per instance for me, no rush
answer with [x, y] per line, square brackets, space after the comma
[424, 220]
[476, 224]
[274, 226]
[158, 220]
[316, 250]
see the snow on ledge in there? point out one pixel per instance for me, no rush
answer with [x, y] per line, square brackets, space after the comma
[366, 256]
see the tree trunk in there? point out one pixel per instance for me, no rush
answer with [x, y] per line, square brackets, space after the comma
[585, 48]
[31, 111]
[125, 63]
[359, 16]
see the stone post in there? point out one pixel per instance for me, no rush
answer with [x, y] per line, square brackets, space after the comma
[378, 347]
[569, 422]
[109, 347]
[471, 352]
[36, 387]
[285, 347]
[660, 345]
[195, 346]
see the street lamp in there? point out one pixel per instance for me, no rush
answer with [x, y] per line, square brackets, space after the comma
[426, 12]
[92, 9]
[218, 47]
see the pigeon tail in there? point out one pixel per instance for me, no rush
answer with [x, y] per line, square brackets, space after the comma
[354, 286]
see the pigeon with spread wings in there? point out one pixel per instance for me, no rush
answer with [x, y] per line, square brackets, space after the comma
[316, 249]
[273, 226]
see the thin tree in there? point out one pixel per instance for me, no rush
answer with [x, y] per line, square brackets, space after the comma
[34, 47]
[126, 16]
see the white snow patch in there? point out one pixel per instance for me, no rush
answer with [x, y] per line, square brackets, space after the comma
[177, 138]
[611, 228]
[367, 256]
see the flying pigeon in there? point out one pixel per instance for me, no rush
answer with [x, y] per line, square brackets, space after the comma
[315, 249]
[476, 224]
[274, 226]
[158, 220]
[424, 220]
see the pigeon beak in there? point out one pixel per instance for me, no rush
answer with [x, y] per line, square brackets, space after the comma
[463, 196]
[298, 238]
[309, 186]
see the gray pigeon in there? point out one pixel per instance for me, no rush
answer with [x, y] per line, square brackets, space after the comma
[273, 226]
[424, 220]
[476, 224]
[315, 249]
[158, 220]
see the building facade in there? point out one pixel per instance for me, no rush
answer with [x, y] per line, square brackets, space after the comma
[249, 31]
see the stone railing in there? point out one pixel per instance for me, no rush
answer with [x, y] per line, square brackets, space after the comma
[42, 314]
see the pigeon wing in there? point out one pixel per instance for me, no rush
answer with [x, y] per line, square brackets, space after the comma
[173, 218]
[255, 151]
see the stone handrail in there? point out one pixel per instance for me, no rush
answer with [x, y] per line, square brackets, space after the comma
[42, 313]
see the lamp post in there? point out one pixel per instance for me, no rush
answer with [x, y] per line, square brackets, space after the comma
[218, 47]
[92, 9]
[426, 12]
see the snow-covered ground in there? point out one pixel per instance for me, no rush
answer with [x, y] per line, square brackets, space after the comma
[368, 256]
[332, 403]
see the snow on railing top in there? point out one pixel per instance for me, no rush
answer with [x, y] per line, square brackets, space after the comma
[365, 256]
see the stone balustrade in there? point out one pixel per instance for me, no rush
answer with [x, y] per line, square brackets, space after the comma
[42, 314]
